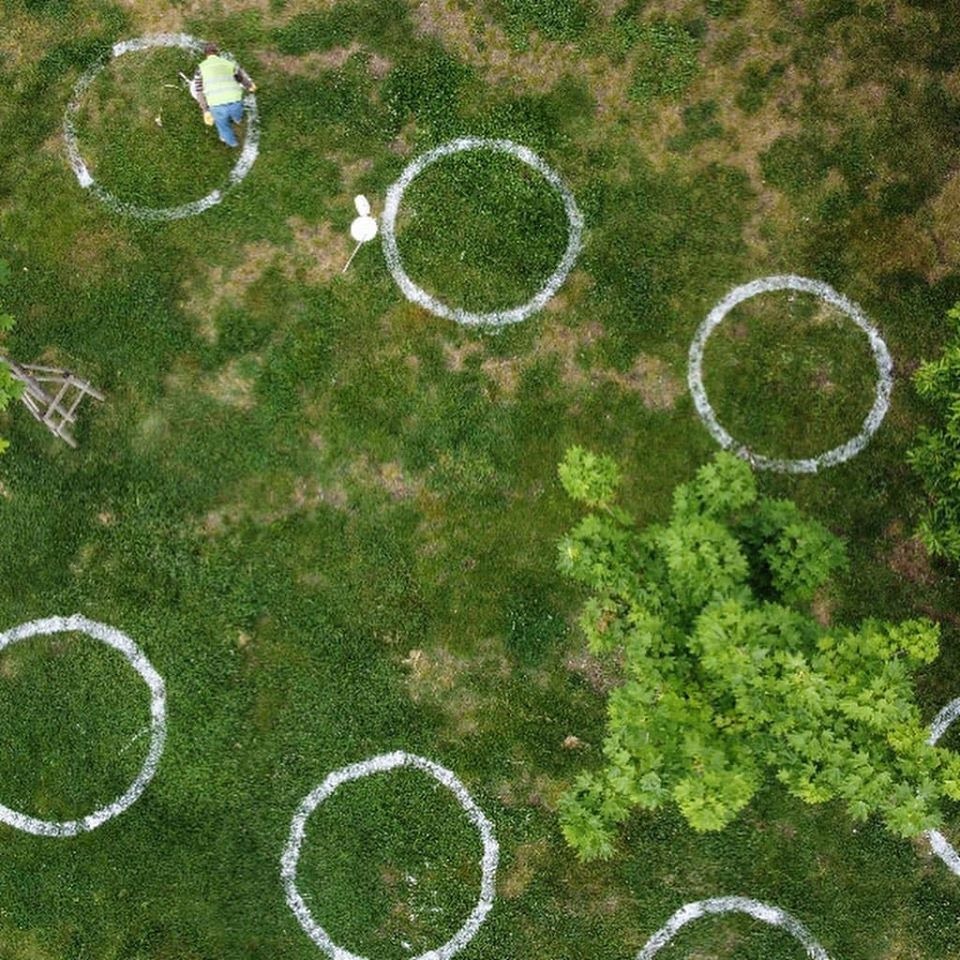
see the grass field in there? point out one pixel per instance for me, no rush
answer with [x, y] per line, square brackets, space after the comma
[329, 518]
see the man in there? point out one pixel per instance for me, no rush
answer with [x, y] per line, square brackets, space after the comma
[218, 86]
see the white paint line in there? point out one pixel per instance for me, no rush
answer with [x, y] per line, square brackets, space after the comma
[248, 154]
[938, 842]
[496, 318]
[759, 911]
[158, 722]
[826, 293]
[381, 764]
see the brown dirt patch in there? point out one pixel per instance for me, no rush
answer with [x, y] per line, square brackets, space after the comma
[531, 790]
[315, 254]
[443, 680]
[822, 608]
[908, 558]
[652, 378]
[945, 229]
[482, 43]
[389, 476]
[269, 500]
[308, 64]
[601, 676]
[528, 860]
[232, 386]
[456, 356]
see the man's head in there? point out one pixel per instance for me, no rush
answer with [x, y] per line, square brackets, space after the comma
[211, 49]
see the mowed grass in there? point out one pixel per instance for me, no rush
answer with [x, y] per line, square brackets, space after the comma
[329, 518]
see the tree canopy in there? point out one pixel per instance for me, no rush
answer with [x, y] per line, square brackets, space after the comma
[727, 678]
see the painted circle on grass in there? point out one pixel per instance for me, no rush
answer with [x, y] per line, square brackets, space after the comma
[158, 722]
[881, 355]
[754, 908]
[938, 842]
[248, 154]
[381, 764]
[468, 318]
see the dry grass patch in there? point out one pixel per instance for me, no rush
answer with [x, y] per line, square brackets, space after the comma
[908, 557]
[944, 209]
[601, 676]
[477, 40]
[269, 500]
[315, 254]
[652, 378]
[528, 861]
[443, 680]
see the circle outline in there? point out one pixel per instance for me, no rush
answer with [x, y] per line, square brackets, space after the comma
[248, 154]
[381, 764]
[158, 722]
[774, 916]
[939, 844]
[825, 292]
[469, 318]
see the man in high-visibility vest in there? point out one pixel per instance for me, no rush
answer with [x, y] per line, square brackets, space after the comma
[218, 86]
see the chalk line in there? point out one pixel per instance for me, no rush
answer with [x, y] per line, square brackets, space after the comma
[754, 908]
[881, 355]
[938, 842]
[248, 154]
[496, 318]
[381, 764]
[158, 722]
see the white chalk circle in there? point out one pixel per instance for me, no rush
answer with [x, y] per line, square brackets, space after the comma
[158, 722]
[248, 154]
[754, 908]
[938, 842]
[826, 293]
[381, 764]
[496, 318]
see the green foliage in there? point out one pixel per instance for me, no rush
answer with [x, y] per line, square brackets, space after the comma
[589, 478]
[727, 680]
[936, 454]
[669, 60]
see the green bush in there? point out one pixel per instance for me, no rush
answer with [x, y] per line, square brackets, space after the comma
[936, 454]
[727, 679]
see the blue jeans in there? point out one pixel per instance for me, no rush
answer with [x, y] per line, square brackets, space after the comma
[223, 115]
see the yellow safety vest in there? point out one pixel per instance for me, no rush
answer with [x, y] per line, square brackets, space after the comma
[219, 85]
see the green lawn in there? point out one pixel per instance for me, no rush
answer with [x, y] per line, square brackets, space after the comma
[329, 518]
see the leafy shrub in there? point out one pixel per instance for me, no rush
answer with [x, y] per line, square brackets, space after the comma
[936, 454]
[669, 63]
[589, 478]
[727, 679]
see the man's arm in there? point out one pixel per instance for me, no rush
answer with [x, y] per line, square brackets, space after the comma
[243, 78]
[198, 86]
